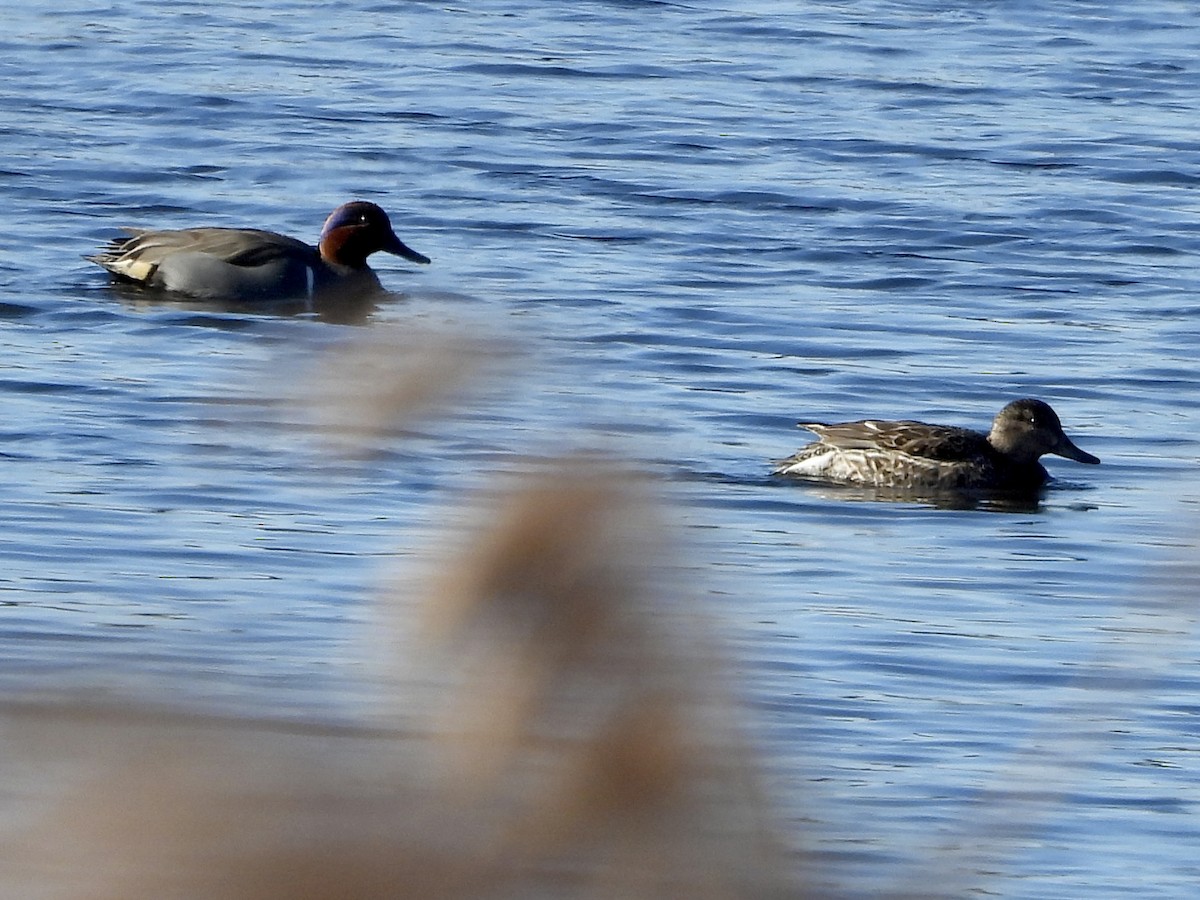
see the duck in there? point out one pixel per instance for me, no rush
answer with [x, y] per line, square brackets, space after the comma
[917, 455]
[247, 264]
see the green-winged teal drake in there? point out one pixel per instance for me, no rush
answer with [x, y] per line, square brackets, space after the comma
[243, 264]
[917, 455]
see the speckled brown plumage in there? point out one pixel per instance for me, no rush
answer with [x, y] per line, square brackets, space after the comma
[916, 454]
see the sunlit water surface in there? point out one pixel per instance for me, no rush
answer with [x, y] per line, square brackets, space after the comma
[696, 224]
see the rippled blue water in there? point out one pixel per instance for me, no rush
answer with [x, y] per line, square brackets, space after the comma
[704, 221]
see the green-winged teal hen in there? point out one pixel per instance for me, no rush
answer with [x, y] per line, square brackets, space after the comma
[905, 454]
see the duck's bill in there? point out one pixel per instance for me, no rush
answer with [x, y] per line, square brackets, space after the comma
[400, 248]
[1068, 450]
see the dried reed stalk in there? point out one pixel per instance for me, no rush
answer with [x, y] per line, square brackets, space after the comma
[586, 746]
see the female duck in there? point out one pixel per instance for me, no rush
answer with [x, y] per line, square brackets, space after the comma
[247, 264]
[916, 455]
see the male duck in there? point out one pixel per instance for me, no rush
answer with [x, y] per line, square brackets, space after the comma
[247, 264]
[916, 455]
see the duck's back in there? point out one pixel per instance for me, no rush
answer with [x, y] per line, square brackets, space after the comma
[144, 250]
[222, 262]
[944, 443]
[895, 454]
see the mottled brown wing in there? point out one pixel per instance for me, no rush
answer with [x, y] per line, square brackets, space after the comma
[940, 442]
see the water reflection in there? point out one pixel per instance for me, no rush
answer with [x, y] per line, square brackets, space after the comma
[346, 308]
[1008, 501]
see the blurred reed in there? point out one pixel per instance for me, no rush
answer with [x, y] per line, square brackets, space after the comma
[577, 738]
[377, 385]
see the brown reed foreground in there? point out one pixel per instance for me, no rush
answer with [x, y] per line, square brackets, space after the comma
[566, 734]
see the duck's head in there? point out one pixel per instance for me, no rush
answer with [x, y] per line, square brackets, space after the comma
[1027, 429]
[357, 229]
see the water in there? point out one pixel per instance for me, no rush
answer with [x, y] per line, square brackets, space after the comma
[699, 223]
